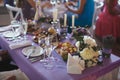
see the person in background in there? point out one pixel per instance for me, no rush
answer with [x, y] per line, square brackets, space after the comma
[84, 11]
[27, 8]
[5, 61]
[40, 5]
[5, 65]
[32, 3]
[10, 2]
[109, 20]
[1, 1]
[9, 71]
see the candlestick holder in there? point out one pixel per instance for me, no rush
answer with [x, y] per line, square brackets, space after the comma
[73, 27]
[64, 30]
[55, 26]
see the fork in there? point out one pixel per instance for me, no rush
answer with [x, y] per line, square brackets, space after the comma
[32, 51]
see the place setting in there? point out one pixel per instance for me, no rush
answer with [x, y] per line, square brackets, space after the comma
[16, 31]
[16, 35]
[33, 53]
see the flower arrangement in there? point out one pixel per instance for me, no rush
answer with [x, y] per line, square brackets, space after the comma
[85, 47]
[78, 33]
[88, 50]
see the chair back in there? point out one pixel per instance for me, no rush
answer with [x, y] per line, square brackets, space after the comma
[18, 13]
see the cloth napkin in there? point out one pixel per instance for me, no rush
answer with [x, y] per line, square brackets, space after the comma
[75, 65]
[20, 44]
[5, 28]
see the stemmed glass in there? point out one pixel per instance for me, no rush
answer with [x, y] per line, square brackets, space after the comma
[47, 62]
[15, 25]
[50, 63]
[14, 31]
[41, 42]
[25, 27]
[53, 2]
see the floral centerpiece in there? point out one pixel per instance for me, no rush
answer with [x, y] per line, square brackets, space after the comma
[88, 50]
[85, 47]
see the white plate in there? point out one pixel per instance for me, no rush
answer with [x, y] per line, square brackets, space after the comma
[37, 51]
[16, 25]
[10, 34]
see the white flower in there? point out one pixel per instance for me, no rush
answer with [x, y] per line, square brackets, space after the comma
[87, 53]
[90, 41]
[77, 44]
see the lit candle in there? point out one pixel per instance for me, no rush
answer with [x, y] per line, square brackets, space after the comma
[73, 20]
[65, 19]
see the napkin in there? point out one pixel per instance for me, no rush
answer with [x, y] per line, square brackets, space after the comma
[5, 28]
[20, 44]
[75, 65]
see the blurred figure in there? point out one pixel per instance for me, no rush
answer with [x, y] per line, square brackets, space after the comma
[109, 20]
[84, 12]
[32, 3]
[1, 1]
[39, 8]
[9, 71]
[5, 61]
[10, 2]
[28, 9]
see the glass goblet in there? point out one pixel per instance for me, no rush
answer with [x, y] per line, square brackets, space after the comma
[50, 63]
[25, 27]
[14, 31]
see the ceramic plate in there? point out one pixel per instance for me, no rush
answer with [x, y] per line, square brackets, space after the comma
[10, 34]
[33, 51]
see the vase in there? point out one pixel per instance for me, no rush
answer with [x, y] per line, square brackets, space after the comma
[108, 43]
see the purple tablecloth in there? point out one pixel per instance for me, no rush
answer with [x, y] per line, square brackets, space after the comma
[36, 71]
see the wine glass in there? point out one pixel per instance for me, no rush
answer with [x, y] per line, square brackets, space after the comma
[15, 32]
[41, 42]
[53, 2]
[49, 61]
[25, 27]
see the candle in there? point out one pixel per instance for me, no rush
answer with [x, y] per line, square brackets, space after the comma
[37, 11]
[55, 14]
[65, 19]
[36, 15]
[73, 20]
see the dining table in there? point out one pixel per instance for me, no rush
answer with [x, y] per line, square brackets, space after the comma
[108, 70]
